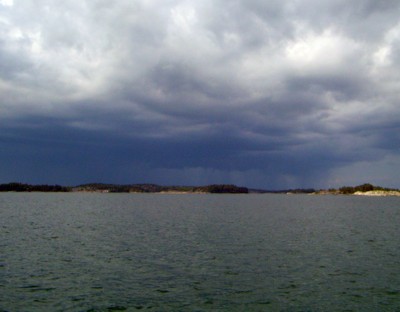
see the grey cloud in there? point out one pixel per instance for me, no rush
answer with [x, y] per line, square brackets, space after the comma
[280, 91]
[365, 20]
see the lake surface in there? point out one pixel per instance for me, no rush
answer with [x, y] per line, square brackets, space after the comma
[128, 252]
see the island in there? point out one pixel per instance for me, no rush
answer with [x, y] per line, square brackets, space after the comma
[365, 189]
[125, 188]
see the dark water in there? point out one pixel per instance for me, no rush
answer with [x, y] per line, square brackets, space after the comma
[114, 252]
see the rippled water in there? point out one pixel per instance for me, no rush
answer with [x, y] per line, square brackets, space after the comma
[112, 252]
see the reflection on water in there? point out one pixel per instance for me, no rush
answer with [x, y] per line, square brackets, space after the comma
[115, 252]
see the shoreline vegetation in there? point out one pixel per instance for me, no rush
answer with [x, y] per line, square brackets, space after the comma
[360, 190]
[127, 188]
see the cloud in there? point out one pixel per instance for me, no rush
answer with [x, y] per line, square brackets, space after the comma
[274, 94]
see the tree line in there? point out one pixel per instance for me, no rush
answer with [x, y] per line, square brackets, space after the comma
[366, 187]
[116, 188]
[21, 187]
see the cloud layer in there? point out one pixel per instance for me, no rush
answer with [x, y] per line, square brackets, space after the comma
[266, 94]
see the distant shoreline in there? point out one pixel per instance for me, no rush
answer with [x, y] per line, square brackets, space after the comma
[378, 193]
[360, 190]
[128, 188]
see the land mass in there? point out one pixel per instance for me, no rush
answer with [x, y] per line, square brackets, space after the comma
[366, 189]
[127, 188]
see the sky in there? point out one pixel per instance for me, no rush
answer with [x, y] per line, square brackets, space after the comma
[264, 94]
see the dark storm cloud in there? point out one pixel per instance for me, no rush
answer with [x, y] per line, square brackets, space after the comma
[262, 93]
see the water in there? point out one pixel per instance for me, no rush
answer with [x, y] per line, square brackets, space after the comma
[128, 252]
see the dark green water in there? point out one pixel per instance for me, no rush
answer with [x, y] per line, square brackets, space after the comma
[114, 252]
